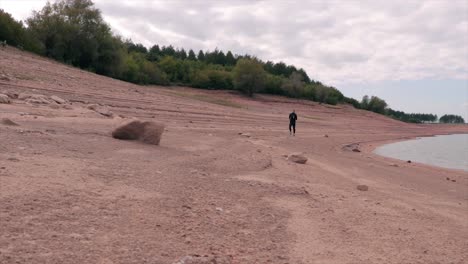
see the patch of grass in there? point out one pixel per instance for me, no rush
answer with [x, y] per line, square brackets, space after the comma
[207, 99]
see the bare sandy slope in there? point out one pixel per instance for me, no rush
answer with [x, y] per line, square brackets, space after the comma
[70, 193]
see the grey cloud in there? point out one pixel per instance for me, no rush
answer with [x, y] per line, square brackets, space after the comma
[334, 41]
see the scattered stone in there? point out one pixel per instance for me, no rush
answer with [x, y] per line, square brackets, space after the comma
[409, 161]
[148, 132]
[363, 188]
[104, 111]
[454, 180]
[4, 99]
[92, 107]
[8, 122]
[58, 100]
[3, 77]
[100, 110]
[12, 94]
[356, 150]
[247, 135]
[326, 136]
[297, 158]
[54, 106]
[34, 98]
[448, 179]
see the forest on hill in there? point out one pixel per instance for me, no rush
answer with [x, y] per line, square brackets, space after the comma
[74, 32]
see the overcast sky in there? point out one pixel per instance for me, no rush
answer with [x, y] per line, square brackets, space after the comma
[413, 54]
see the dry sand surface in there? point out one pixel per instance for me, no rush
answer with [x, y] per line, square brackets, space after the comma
[70, 193]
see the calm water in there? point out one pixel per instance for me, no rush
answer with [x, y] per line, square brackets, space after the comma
[450, 151]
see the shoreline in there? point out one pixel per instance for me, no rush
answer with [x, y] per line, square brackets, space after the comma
[371, 146]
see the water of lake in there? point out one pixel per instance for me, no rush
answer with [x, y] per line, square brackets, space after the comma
[447, 151]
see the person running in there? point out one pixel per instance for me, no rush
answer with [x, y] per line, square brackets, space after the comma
[292, 122]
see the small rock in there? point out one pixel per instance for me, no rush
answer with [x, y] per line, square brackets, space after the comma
[363, 188]
[54, 106]
[356, 150]
[326, 136]
[409, 161]
[8, 122]
[247, 135]
[34, 98]
[101, 110]
[4, 99]
[3, 77]
[394, 165]
[13, 159]
[454, 180]
[297, 158]
[219, 209]
[448, 179]
[92, 107]
[12, 94]
[58, 100]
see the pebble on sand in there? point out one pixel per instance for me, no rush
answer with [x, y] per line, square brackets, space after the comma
[8, 122]
[362, 187]
[4, 99]
[297, 158]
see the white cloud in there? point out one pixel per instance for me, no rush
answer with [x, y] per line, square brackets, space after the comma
[336, 42]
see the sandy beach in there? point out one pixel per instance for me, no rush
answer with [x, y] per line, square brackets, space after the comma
[219, 185]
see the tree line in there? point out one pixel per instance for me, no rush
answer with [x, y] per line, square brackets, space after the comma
[74, 32]
[378, 105]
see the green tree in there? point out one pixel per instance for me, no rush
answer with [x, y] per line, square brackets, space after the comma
[230, 60]
[249, 76]
[72, 31]
[365, 102]
[453, 119]
[294, 86]
[169, 65]
[15, 34]
[377, 105]
[201, 56]
[154, 53]
[191, 55]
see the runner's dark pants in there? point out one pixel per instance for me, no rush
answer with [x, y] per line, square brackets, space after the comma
[293, 125]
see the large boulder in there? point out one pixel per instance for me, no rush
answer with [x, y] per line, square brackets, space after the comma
[297, 158]
[4, 99]
[148, 132]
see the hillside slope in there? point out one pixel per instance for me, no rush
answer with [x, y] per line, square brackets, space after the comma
[70, 193]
